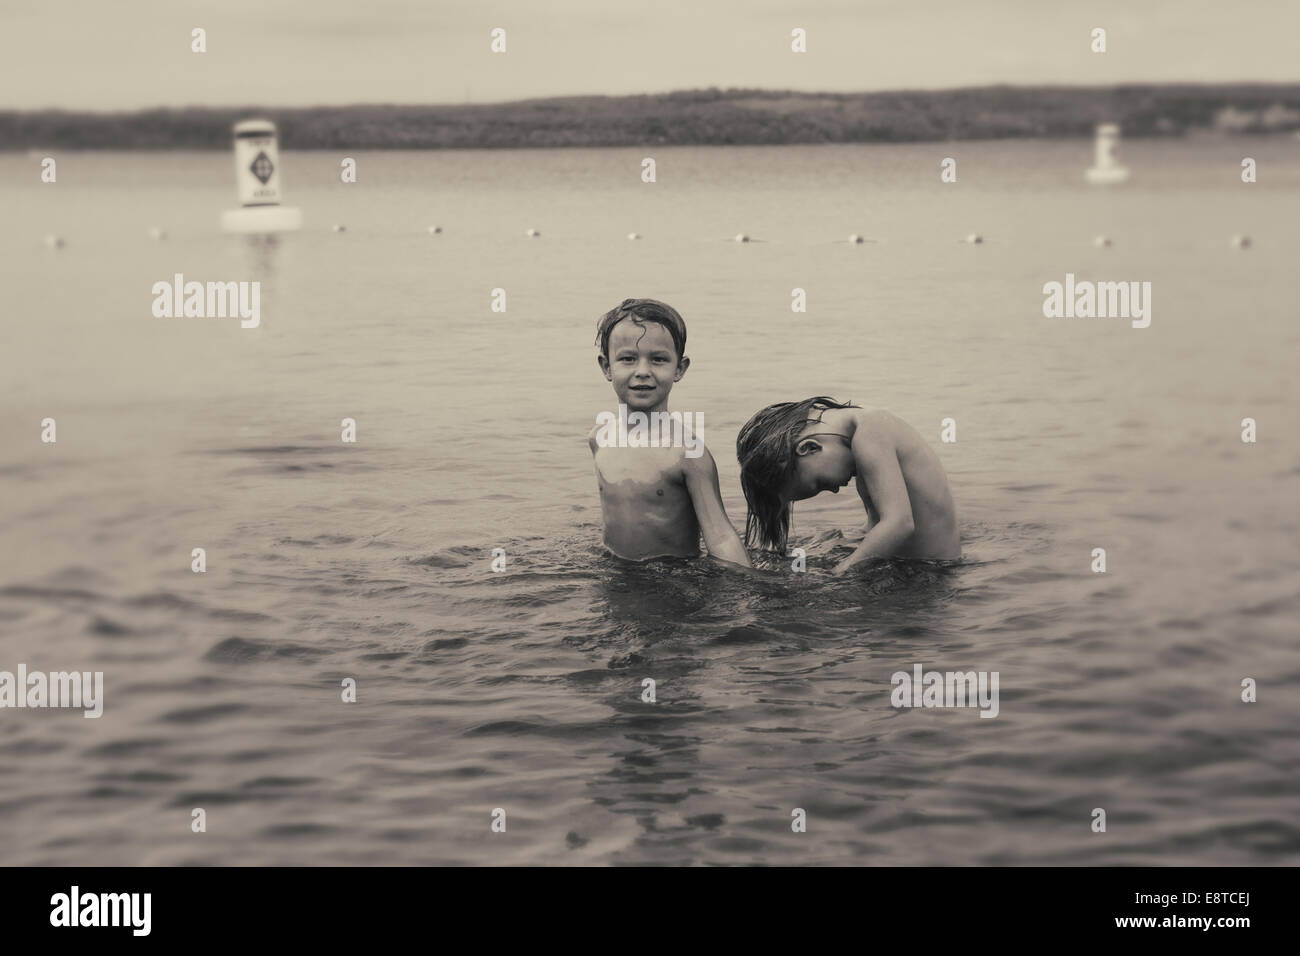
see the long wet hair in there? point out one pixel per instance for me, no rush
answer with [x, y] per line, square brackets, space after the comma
[765, 448]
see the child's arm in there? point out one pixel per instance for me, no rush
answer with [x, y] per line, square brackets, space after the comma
[702, 484]
[876, 457]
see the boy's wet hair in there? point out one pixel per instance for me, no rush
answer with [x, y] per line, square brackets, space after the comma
[765, 448]
[642, 311]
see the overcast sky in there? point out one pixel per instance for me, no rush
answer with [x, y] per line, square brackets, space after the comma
[126, 54]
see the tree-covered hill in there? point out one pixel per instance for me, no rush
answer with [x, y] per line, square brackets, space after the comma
[694, 117]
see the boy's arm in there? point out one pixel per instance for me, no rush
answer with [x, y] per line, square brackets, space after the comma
[876, 457]
[719, 536]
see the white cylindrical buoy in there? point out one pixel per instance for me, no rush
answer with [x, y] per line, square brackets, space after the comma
[435, 230]
[339, 227]
[54, 242]
[257, 163]
[855, 238]
[1240, 242]
[156, 233]
[533, 234]
[1106, 170]
[974, 238]
[741, 237]
[1101, 242]
[634, 235]
[258, 182]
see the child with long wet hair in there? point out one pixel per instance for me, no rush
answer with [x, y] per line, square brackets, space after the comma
[795, 450]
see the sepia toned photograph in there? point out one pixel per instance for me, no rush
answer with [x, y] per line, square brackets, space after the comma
[648, 435]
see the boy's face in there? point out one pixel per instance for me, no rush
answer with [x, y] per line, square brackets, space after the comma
[642, 364]
[823, 462]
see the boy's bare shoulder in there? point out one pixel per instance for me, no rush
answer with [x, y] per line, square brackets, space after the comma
[702, 463]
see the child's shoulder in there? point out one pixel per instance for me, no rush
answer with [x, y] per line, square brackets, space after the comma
[879, 427]
[696, 455]
[875, 418]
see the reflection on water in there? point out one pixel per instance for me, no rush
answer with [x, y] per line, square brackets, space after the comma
[261, 254]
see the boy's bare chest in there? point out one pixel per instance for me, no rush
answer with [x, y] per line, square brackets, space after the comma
[639, 466]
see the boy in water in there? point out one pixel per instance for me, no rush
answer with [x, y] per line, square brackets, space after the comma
[655, 500]
[794, 450]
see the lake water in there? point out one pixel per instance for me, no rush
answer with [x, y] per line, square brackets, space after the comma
[522, 690]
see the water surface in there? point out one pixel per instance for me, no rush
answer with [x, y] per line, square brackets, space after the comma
[522, 690]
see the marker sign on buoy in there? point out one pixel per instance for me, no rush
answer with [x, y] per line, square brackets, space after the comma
[257, 163]
[257, 179]
[1106, 170]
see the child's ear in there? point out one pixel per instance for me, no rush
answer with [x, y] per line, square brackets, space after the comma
[807, 446]
[682, 366]
[603, 362]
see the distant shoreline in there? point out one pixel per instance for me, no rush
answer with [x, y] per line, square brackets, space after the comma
[712, 117]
